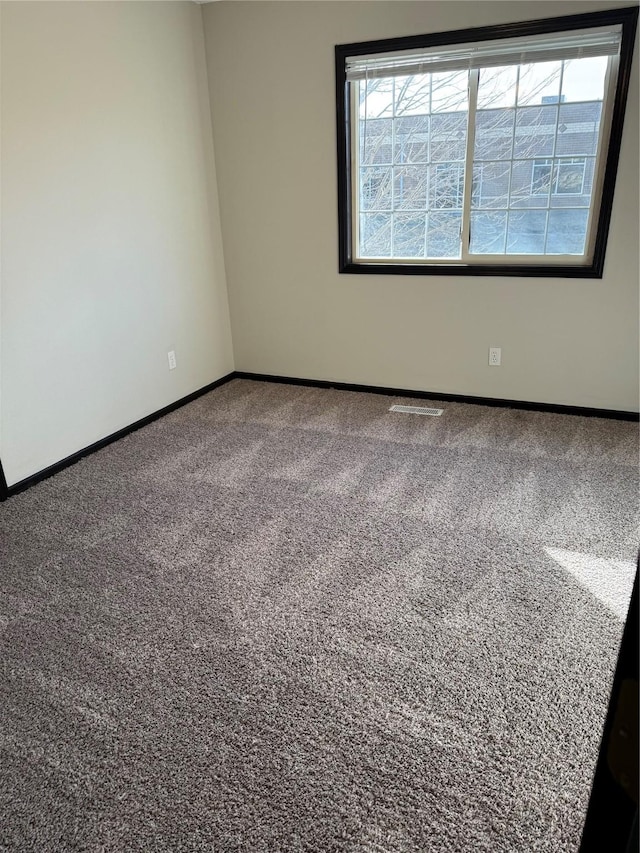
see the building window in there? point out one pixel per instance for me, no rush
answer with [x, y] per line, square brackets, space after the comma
[560, 177]
[483, 153]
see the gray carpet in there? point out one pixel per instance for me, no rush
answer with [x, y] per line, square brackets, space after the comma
[285, 619]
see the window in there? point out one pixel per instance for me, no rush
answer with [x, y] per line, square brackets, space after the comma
[560, 177]
[488, 152]
[541, 177]
[568, 178]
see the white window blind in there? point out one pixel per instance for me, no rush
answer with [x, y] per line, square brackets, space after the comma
[543, 48]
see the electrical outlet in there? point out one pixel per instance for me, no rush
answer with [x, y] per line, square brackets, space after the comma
[172, 360]
[495, 356]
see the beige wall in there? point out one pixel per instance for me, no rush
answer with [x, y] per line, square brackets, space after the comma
[111, 251]
[271, 77]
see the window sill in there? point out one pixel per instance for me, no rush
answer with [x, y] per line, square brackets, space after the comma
[593, 270]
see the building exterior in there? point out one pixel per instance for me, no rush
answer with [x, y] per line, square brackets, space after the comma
[533, 174]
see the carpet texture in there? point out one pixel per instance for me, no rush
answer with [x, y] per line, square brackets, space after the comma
[284, 619]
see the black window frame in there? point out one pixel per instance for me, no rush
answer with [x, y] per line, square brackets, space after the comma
[627, 17]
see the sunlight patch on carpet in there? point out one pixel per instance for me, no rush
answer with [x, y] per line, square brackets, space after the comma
[611, 581]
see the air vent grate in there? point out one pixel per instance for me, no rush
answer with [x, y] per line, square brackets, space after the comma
[417, 410]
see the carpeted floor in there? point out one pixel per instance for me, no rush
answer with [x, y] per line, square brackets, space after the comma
[284, 619]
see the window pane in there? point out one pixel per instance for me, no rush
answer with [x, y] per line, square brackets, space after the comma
[490, 185]
[494, 134]
[447, 186]
[375, 188]
[526, 232]
[539, 83]
[412, 94]
[578, 128]
[410, 188]
[497, 87]
[535, 131]
[376, 98]
[448, 136]
[450, 92]
[531, 183]
[567, 231]
[569, 176]
[443, 235]
[409, 234]
[583, 79]
[375, 141]
[488, 232]
[399, 183]
[569, 173]
[412, 140]
[542, 176]
[536, 135]
[375, 235]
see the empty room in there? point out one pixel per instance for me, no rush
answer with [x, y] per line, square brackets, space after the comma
[319, 391]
